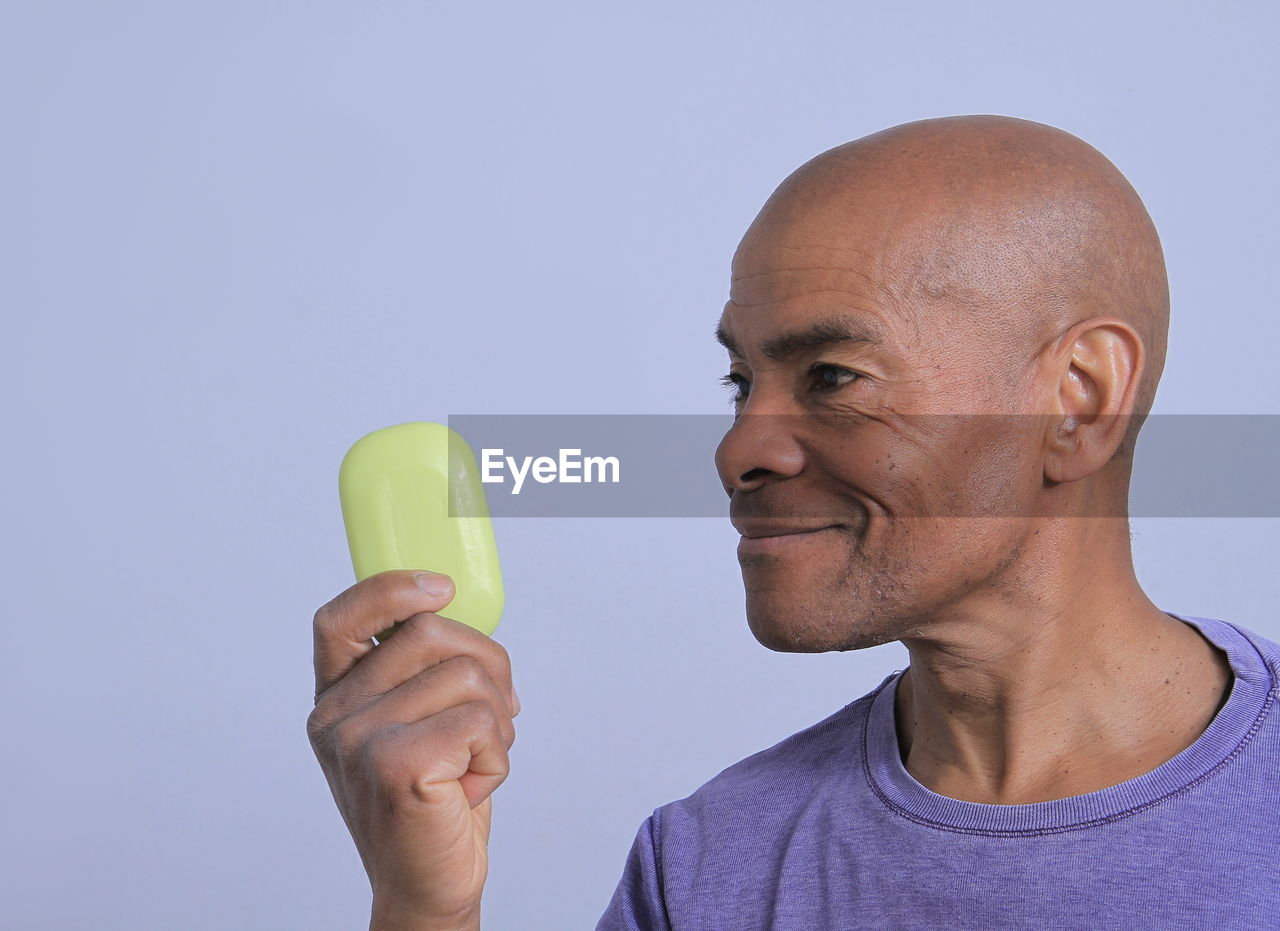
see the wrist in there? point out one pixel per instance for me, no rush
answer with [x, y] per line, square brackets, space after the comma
[390, 916]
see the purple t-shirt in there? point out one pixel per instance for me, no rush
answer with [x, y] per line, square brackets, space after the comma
[828, 830]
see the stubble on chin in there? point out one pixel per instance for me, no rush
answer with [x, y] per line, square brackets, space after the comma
[850, 607]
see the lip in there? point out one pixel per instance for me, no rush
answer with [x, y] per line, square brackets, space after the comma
[781, 542]
[765, 526]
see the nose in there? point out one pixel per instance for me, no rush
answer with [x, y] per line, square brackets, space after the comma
[758, 448]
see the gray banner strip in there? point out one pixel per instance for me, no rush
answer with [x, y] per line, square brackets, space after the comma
[664, 465]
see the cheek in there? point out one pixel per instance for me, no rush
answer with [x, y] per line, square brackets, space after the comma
[973, 466]
[995, 472]
[931, 466]
[892, 473]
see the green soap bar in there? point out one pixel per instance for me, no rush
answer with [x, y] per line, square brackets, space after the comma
[397, 486]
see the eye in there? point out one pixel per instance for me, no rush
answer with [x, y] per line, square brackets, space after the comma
[830, 377]
[741, 385]
[827, 378]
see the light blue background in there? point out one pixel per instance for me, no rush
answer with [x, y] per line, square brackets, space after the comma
[237, 236]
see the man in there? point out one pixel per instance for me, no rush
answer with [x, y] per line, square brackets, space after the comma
[944, 338]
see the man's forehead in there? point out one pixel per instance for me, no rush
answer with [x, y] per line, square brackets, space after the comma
[778, 262]
[777, 287]
[785, 250]
[790, 274]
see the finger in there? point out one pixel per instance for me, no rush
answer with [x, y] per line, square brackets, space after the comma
[343, 629]
[424, 640]
[432, 757]
[458, 680]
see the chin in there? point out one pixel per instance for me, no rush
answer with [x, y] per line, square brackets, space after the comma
[801, 628]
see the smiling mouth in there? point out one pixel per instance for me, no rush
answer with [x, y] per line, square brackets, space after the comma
[782, 542]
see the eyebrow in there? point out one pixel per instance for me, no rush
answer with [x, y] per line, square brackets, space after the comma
[826, 332]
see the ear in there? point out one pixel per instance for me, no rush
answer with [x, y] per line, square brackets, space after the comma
[1098, 364]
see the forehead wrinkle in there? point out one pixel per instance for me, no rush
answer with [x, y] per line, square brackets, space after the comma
[795, 297]
[831, 328]
[865, 258]
[788, 290]
[876, 317]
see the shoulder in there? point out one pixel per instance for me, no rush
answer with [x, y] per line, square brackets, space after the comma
[1268, 648]
[778, 779]
[1256, 654]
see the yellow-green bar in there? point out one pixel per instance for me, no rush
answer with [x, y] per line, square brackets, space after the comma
[396, 486]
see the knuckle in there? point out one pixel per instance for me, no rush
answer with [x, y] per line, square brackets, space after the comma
[424, 627]
[501, 653]
[322, 623]
[469, 671]
[316, 726]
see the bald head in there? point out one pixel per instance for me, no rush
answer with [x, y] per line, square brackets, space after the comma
[1006, 230]
[966, 266]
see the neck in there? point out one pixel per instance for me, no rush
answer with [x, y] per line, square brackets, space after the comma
[1058, 681]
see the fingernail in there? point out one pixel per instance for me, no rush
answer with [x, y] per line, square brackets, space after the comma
[515, 700]
[434, 583]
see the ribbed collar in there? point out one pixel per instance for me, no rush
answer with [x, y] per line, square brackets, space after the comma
[1248, 702]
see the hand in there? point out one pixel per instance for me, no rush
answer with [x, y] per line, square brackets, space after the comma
[412, 734]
